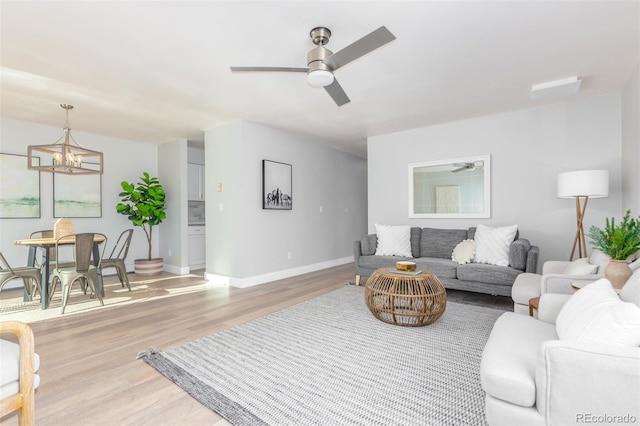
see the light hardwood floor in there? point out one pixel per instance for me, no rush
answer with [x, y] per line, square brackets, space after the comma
[90, 374]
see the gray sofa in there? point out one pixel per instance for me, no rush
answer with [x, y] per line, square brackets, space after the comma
[431, 249]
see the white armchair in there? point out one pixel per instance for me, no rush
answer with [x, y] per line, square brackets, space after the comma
[18, 380]
[532, 376]
[559, 276]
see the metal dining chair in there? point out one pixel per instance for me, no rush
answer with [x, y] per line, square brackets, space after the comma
[31, 276]
[118, 255]
[83, 270]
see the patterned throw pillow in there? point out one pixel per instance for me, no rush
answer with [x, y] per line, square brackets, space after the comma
[493, 244]
[393, 240]
[464, 252]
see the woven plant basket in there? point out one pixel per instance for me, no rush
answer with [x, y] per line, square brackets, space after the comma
[408, 300]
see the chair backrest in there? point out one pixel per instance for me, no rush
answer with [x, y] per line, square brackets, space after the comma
[4, 265]
[46, 233]
[83, 249]
[121, 249]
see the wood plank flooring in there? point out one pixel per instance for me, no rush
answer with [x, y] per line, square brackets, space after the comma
[89, 371]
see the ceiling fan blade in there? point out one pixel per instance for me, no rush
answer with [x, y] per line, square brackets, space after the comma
[272, 69]
[337, 93]
[359, 48]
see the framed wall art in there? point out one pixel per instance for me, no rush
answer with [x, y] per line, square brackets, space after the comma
[276, 185]
[77, 196]
[19, 188]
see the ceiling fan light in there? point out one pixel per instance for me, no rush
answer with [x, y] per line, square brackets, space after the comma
[320, 78]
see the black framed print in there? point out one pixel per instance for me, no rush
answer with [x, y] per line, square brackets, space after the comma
[19, 188]
[276, 185]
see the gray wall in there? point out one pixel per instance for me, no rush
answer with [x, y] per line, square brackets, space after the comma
[631, 143]
[528, 149]
[247, 245]
[123, 159]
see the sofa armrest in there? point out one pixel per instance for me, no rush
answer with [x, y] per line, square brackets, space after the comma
[357, 251]
[561, 283]
[575, 381]
[532, 260]
[550, 306]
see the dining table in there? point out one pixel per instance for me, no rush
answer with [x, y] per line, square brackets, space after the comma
[47, 244]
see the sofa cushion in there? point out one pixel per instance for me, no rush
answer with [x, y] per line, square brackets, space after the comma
[595, 314]
[375, 262]
[493, 244]
[10, 369]
[443, 268]
[464, 252]
[393, 240]
[440, 243]
[507, 369]
[416, 232]
[488, 274]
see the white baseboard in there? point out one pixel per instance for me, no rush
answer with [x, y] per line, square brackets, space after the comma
[274, 276]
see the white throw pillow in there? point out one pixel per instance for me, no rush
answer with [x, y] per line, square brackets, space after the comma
[581, 267]
[595, 314]
[493, 244]
[464, 252]
[393, 240]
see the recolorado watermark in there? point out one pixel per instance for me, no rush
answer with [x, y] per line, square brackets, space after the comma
[590, 418]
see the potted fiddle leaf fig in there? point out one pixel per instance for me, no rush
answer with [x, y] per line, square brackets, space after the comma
[144, 204]
[619, 242]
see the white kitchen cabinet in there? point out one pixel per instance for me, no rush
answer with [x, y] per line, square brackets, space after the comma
[197, 247]
[195, 182]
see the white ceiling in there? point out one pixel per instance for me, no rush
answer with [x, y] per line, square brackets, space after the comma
[155, 71]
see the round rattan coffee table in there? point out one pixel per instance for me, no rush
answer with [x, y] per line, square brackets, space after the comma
[405, 299]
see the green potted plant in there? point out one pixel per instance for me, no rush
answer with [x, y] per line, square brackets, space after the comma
[618, 241]
[144, 205]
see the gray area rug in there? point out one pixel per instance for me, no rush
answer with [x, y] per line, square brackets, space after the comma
[328, 361]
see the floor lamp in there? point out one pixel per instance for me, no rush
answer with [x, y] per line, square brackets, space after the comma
[582, 185]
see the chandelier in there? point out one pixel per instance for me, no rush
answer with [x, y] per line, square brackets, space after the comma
[65, 155]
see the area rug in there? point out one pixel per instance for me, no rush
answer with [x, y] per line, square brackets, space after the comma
[12, 306]
[329, 361]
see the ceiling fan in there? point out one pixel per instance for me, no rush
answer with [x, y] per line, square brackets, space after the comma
[467, 166]
[321, 62]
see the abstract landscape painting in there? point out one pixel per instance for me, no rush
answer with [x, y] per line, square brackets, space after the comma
[77, 196]
[19, 188]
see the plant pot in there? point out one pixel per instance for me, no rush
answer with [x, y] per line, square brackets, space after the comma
[148, 267]
[617, 272]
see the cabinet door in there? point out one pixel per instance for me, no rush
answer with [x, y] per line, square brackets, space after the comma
[195, 182]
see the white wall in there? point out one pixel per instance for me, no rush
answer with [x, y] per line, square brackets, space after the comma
[631, 143]
[172, 173]
[123, 160]
[248, 245]
[528, 149]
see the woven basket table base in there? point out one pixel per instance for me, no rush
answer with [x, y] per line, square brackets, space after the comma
[403, 299]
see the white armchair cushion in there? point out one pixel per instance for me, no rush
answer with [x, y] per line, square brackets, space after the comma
[10, 368]
[507, 369]
[393, 240]
[631, 290]
[581, 267]
[596, 315]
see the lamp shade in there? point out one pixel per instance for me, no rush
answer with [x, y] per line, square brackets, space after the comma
[584, 183]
